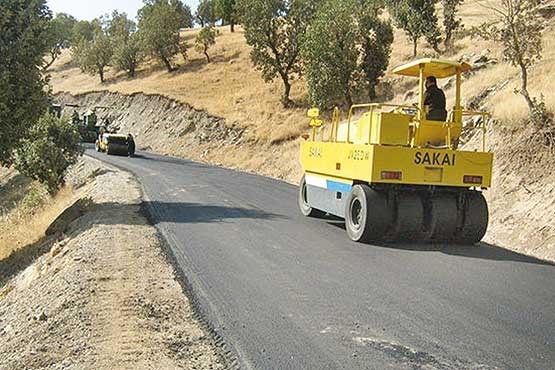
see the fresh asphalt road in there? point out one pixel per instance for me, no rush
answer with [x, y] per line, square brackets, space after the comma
[288, 292]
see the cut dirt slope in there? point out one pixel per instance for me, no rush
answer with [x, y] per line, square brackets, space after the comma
[231, 92]
[104, 295]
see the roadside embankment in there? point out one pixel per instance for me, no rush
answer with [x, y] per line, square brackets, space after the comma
[166, 126]
[103, 294]
[522, 196]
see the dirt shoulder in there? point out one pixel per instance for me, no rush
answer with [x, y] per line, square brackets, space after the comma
[103, 295]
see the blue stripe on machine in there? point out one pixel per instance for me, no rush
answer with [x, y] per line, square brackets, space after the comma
[338, 186]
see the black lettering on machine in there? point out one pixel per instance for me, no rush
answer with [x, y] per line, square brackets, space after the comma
[434, 158]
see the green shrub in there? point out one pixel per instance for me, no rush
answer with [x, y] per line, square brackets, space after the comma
[36, 196]
[50, 148]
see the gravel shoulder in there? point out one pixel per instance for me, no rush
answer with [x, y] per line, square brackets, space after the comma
[103, 294]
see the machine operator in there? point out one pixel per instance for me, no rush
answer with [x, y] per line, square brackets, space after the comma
[435, 101]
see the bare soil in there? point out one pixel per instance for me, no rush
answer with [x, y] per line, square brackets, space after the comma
[103, 295]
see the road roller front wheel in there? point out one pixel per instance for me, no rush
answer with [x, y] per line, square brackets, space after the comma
[367, 215]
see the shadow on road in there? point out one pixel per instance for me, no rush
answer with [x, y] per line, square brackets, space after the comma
[170, 160]
[481, 251]
[201, 213]
[177, 212]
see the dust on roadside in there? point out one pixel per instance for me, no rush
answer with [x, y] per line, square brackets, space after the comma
[103, 296]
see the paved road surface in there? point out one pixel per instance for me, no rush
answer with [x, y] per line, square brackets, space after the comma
[288, 292]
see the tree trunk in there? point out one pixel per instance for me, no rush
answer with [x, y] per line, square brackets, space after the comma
[232, 25]
[285, 101]
[524, 88]
[414, 47]
[101, 73]
[206, 55]
[348, 98]
[447, 42]
[167, 64]
[49, 64]
[371, 91]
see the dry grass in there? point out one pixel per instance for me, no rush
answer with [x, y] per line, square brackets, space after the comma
[29, 211]
[229, 86]
[509, 106]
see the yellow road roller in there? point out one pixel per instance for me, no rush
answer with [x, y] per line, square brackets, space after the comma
[115, 144]
[393, 174]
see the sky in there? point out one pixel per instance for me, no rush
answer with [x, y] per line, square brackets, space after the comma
[87, 10]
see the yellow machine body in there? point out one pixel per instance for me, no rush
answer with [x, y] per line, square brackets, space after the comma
[417, 166]
[400, 140]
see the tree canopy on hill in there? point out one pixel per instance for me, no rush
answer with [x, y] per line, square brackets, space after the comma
[206, 13]
[330, 54]
[450, 20]
[159, 24]
[59, 36]
[274, 29]
[93, 56]
[345, 51]
[83, 30]
[227, 10]
[24, 27]
[418, 19]
[518, 27]
[126, 45]
[376, 37]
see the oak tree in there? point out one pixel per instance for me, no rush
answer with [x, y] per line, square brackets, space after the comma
[206, 13]
[206, 38]
[24, 26]
[159, 25]
[450, 20]
[59, 35]
[330, 54]
[418, 19]
[518, 27]
[275, 29]
[376, 37]
[127, 51]
[93, 56]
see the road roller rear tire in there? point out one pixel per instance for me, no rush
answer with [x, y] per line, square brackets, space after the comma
[367, 215]
[443, 217]
[409, 218]
[475, 219]
[305, 208]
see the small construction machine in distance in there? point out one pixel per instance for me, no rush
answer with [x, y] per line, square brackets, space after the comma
[394, 175]
[115, 144]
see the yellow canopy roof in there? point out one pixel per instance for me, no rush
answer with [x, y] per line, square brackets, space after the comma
[432, 67]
